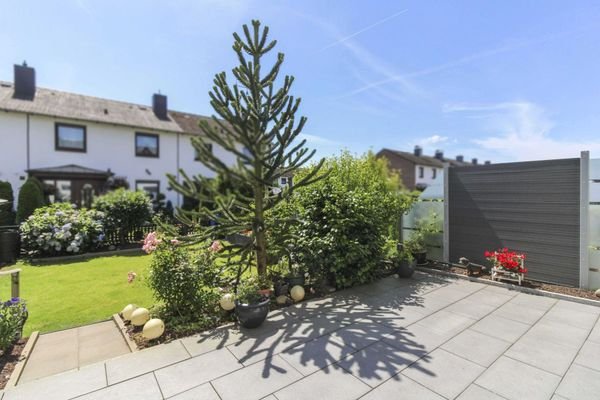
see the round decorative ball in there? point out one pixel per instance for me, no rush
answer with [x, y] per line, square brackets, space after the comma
[297, 293]
[597, 293]
[127, 311]
[153, 329]
[281, 300]
[227, 302]
[140, 316]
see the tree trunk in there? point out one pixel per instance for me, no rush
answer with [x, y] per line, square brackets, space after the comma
[259, 226]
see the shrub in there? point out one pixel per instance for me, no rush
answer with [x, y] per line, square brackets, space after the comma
[184, 279]
[344, 218]
[7, 215]
[124, 210]
[61, 229]
[31, 197]
[13, 314]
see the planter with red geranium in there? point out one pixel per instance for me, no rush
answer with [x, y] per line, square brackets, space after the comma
[507, 265]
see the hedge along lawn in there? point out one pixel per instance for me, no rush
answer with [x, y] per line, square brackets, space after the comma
[72, 294]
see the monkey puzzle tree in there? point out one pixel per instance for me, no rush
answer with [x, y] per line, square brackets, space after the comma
[257, 123]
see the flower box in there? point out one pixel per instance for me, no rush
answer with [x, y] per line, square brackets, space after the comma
[507, 265]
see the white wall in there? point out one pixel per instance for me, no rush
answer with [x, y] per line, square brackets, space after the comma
[108, 146]
[13, 149]
[427, 178]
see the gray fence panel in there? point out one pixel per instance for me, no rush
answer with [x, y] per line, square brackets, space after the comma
[531, 207]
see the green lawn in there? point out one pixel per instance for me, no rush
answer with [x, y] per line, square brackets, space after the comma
[64, 295]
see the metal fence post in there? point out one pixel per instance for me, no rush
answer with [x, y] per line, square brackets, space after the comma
[584, 209]
[446, 235]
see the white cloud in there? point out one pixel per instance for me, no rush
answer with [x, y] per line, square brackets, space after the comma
[314, 139]
[432, 140]
[520, 131]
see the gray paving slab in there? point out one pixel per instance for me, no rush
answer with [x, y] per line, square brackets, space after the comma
[574, 314]
[546, 355]
[477, 347]
[589, 355]
[475, 392]
[317, 354]
[377, 363]
[62, 386]
[552, 331]
[444, 373]
[257, 380]
[471, 308]
[335, 384]
[141, 388]
[212, 340]
[142, 362]
[202, 392]
[520, 313]
[515, 380]
[361, 334]
[595, 334]
[533, 301]
[501, 328]
[446, 324]
[401, 386]
[195, 371]
[580, 383]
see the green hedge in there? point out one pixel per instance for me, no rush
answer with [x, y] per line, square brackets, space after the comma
[31, 197]
[7, 215]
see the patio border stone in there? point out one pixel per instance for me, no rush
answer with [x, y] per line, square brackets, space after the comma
[121, 326]
[16, 374]
[511, 286]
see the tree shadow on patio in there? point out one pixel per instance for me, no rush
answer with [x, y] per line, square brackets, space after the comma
[362, 330]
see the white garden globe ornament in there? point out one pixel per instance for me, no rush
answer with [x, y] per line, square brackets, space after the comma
[127, 311]
[140, 316]
[227, 302]
[281, 300]
[297, 293]
[153, 329]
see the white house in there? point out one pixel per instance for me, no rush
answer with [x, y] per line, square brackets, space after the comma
[76, 145]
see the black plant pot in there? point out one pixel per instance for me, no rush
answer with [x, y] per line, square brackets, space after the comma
[294, 280]
[406, 269]
[281, 288]
[9, 246]
[252, 315]
[420, 258]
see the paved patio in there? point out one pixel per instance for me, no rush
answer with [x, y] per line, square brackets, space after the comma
[422, 338]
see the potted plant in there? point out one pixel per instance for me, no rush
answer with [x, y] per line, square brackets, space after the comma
[507, 264]
[251, 307]
[404, 264]
[265, 286]
[417, 243]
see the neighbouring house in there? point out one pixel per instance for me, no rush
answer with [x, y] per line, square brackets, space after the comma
[79, 146]
[418, 170]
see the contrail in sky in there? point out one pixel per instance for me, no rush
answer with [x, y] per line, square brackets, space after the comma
[358, 32]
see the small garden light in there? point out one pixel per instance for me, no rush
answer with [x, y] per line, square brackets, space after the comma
[297, 293]
[227, 302]
[127, 311]
[153, 329]
[140, 316]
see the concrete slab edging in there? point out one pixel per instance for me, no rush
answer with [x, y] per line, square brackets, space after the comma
[121, 326]
[511, 286]
[16, 374]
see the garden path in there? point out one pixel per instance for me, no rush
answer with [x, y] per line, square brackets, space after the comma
[71, 349]
[428, 337]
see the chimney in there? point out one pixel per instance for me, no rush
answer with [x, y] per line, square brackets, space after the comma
[460, 158]
[24, 82]
[439, 154]
[418, 151]
[159, 106]
[474, 161]
[488, 162]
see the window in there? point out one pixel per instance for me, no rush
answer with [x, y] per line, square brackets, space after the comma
[209, 147]
[70, 137]
[150, 187]
[146, 145]
[421, 172]
[434, 174]
[283, 180]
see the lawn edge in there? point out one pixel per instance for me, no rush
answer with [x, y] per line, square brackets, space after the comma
[511, 286]
[18, 371]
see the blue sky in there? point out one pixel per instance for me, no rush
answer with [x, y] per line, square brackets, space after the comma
[504, 80]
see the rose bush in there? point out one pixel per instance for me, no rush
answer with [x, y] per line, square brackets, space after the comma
[61, 228]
